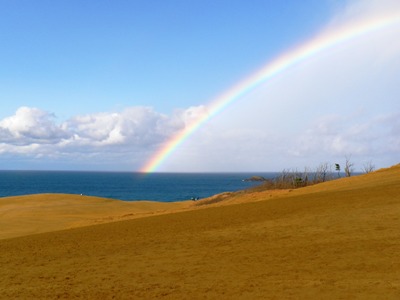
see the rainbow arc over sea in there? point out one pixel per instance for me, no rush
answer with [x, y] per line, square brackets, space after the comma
[299, 54]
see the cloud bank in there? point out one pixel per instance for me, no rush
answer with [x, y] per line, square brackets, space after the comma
[134, 132]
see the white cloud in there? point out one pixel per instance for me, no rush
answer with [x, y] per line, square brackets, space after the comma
[341, 135]
[366, 9]
[134, 126]
[30, 126]
[135, 132]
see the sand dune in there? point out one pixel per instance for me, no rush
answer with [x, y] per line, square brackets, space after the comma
[24, 215]
[337, 240]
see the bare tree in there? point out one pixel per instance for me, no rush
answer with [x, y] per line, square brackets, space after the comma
[321, 172]
[293, 178]
[368, 167]
[306, 176]
[348, 169]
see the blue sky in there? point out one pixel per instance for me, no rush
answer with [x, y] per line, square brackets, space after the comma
[106, 55]
[103, 84]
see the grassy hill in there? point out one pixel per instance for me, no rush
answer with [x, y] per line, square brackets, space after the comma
[336, 240]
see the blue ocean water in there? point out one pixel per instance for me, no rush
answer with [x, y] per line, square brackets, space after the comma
[165, 187]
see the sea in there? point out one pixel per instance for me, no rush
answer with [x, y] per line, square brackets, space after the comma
[163, 187]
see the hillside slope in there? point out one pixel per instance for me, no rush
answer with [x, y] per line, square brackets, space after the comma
[31, 214]
[330, 241]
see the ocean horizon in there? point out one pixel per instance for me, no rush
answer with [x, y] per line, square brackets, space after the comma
[127, 186]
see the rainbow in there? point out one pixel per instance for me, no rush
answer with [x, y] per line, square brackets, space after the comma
[299, 54]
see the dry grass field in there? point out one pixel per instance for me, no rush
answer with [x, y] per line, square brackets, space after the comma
[336, 240]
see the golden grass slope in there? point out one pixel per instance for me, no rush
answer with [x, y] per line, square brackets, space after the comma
[24, 215]
[337, 240]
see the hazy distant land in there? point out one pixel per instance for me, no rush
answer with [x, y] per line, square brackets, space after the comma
[338, 239]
